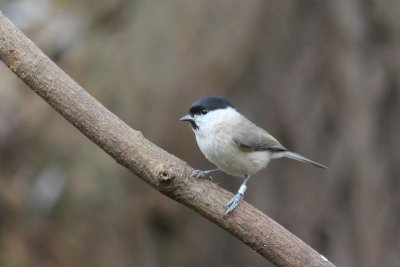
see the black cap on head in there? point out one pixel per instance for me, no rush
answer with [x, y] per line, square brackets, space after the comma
[209, 103]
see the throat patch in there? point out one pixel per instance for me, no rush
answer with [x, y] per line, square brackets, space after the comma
[194, 125]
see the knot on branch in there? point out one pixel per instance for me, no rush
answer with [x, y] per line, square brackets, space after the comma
[166, 179]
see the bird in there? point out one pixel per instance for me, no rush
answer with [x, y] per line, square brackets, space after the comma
[233, 143]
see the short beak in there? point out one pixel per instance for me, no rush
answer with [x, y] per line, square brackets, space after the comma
[187, 117]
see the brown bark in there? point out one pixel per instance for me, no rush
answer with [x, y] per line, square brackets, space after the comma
[161, 170]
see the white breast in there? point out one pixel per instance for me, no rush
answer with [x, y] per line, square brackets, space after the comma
[215, 142]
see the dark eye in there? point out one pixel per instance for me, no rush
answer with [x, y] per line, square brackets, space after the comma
[204, 111]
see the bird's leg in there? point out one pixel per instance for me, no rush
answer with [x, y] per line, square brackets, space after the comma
[203, 174]
[234, 202]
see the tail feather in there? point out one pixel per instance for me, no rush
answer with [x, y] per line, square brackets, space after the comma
[295, 156]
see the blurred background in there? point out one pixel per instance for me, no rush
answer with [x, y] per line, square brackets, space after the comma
[321, 76]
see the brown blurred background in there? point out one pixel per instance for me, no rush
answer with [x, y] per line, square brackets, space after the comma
[321, 76]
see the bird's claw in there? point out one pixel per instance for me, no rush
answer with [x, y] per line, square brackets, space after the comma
[233, 203]
[201, 174]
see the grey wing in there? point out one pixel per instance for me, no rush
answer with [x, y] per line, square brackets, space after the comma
[250, 137]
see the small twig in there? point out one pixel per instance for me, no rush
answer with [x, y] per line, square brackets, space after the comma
[163, 171]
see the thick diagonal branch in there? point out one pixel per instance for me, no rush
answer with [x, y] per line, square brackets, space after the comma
[161, 170]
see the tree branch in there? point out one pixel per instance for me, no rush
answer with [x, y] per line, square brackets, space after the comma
[163, 171]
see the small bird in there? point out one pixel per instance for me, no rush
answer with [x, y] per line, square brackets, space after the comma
[233, 143]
